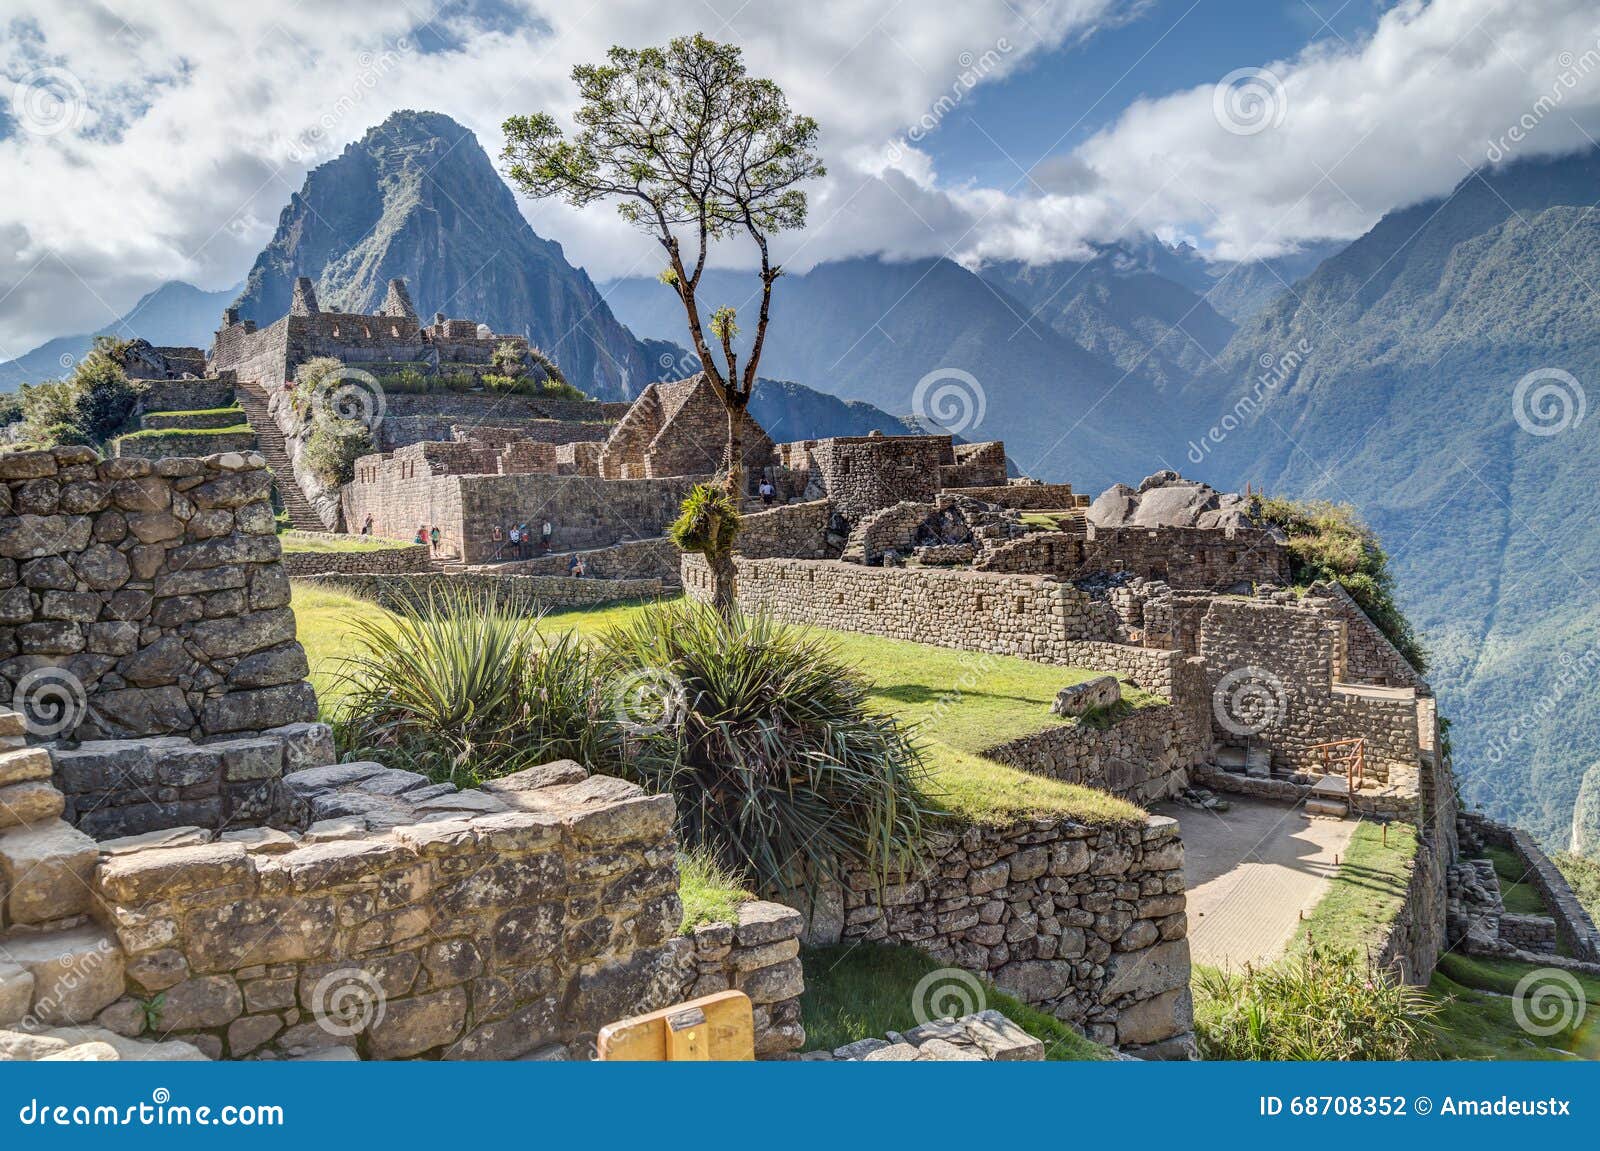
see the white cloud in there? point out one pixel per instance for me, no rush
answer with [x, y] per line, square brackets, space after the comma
[197, 122]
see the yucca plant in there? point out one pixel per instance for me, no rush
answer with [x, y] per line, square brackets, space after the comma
[765, 737]
[465, 687]
[1315, 1005]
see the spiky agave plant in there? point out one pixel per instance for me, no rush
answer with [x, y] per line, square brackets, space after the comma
[464, 686]
[765, 737]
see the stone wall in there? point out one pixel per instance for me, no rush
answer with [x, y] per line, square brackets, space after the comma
[1183, 558]
[492, 936]
[1574, 928]
[1027, 616]
[1135, 758]
[651, 559]
[1088, 924]
[1412, 943]
[155, 445]
[376, 561]
[1025, 497]
[864, 473]
[798, 530]
[400, 492]
[1293, 653]
[527, 593]
[156, 588]
[184, 395]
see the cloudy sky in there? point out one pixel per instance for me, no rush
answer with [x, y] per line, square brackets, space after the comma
[157, 140]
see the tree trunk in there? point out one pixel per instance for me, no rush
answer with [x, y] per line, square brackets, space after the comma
[724, 583]
[735, 452]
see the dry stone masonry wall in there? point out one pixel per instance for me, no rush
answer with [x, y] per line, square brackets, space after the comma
[156, 586]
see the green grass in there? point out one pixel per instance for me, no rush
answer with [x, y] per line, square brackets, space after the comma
[960, 704]
[1049, 521]
[1478, 1021]
[155, 433]
[1367, 892]
[1520, 897]
[295, 542]
[231, 409]
[863, 991]
[710, 893]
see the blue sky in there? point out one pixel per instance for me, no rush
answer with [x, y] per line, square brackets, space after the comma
[1064, 96]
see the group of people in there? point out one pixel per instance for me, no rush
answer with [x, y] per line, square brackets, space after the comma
[426, 535]
[520, 538]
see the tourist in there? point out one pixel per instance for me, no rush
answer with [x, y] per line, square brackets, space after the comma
[581, 570]
[572, 566]
[366, 526]
[545, 533]
[768, 492]
[422, 534]
[516, 542]
[433, 536]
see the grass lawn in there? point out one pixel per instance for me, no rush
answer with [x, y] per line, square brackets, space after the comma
[864, 991]
[296, 542]
[1521, 897]
[1049, 521]
[1478, 1021]
[1367, 892]
[958, 702]
[155, 433]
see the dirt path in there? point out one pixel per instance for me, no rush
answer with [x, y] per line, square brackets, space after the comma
[1251, 871]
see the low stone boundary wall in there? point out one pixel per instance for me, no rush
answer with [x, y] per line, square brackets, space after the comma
[485, 937]
[1390, 802]
[1086, 923]
[1573, 926]
[529, 592]
[1135, 758]
[655, 558]
[1535, 933]
[1024, 497]
[377, 561]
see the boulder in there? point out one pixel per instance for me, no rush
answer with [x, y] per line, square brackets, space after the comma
[1078, 698]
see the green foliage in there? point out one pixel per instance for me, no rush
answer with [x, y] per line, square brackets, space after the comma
[765, 737]
[710, 892]
[89, 407]
[509, 359]
[1583, 874]
[464, 687]
[1328, 541]
[1315, 1005]
[1519, 896]
[1478, 1017]
[333, 448]
[708, 522]
[10, 410]
[863, 992]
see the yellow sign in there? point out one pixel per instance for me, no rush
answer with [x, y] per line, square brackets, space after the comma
[720, 1027]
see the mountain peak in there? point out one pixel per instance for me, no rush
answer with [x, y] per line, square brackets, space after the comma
[418, 199]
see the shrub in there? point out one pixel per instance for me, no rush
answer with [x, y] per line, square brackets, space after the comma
[464, 687]
[89, 407]
[333, 448]
[765, 738]
[1316, 1005]
[1328, 541]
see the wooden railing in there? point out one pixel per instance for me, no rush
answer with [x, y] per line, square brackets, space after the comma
[1346, 755]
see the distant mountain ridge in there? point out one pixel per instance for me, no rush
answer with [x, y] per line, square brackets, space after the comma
[176, 313]
[1393, 372]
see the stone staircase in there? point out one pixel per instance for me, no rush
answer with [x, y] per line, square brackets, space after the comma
[62, 976]
[269, 442]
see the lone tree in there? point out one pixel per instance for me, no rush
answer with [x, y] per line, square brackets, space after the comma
[687, 141]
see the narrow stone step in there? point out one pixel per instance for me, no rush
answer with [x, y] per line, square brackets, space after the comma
[1327, 807]
[46, 871]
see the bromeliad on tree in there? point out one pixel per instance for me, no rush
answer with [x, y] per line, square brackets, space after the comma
[708, 524]
[686, 141]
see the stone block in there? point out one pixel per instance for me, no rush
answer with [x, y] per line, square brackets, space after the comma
[29, 802]
[46, 872]
[76, 974]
